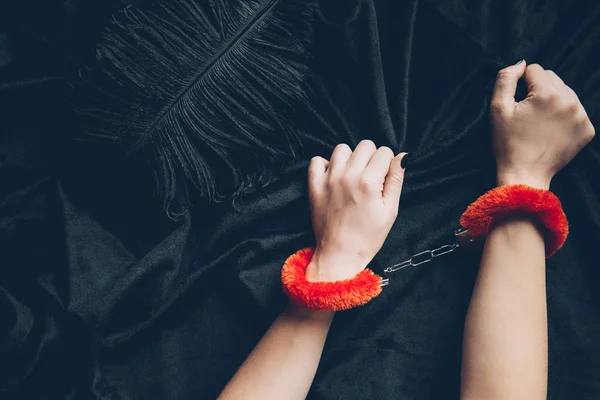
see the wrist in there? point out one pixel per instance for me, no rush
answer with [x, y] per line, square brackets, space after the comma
[517, 222]
[333, 267]
[522, 179]
[310, 316]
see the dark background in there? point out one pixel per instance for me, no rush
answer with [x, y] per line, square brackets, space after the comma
[103, 297]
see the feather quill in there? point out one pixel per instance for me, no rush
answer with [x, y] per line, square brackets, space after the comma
[205, 90]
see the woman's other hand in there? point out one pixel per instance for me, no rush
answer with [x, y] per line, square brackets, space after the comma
[354, 201]
[535, 138]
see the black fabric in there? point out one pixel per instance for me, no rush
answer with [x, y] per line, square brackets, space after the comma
[103, 297]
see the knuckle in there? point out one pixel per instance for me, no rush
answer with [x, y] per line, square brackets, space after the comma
[547, 96]
[591, 131]
[552, 97]
[590, 137]
[573, 94]
[347, 181]
[541, 96]
[571, 106]
[497, 107]
[366, 184]
[504, 74]
[583, 122]
[581, 117]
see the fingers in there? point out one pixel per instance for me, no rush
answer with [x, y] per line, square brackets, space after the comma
[555, 79]
[394, 181]
[535, 78]
[550, 89]
[506, 86]
[339, 158]
[373, 170]
[360, 157]
[565, 91]
[379, 164]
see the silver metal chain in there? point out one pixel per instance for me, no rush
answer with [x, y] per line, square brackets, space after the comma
[429, 255]
[463, 237]
[418, 259]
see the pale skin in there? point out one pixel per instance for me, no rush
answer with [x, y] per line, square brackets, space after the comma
[354, 200]
[505, 347]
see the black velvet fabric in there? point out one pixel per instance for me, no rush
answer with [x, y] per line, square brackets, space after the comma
[103, 297]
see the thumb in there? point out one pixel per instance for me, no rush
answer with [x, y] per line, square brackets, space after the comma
[392, 187]
[506, 85]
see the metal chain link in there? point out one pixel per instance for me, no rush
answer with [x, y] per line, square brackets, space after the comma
[426, 256]
[414, 260]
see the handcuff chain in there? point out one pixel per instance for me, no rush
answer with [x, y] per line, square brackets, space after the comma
[429, 255]
[414, 260]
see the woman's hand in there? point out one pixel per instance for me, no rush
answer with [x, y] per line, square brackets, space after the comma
[535, 138]
[354, 201]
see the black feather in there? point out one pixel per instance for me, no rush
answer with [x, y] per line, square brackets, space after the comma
[206, 90]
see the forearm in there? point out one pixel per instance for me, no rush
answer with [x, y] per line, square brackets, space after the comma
[283, 364]
[505, 347]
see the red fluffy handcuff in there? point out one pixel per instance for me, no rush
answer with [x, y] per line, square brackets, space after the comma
[478, 219]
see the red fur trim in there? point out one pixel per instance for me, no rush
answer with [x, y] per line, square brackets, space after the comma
[513, 199]
[339, 295]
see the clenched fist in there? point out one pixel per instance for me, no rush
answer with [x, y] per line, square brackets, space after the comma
[354, 199]
[535, 138]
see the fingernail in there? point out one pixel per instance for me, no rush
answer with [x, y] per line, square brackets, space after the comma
[519, 62]
[403, 161]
